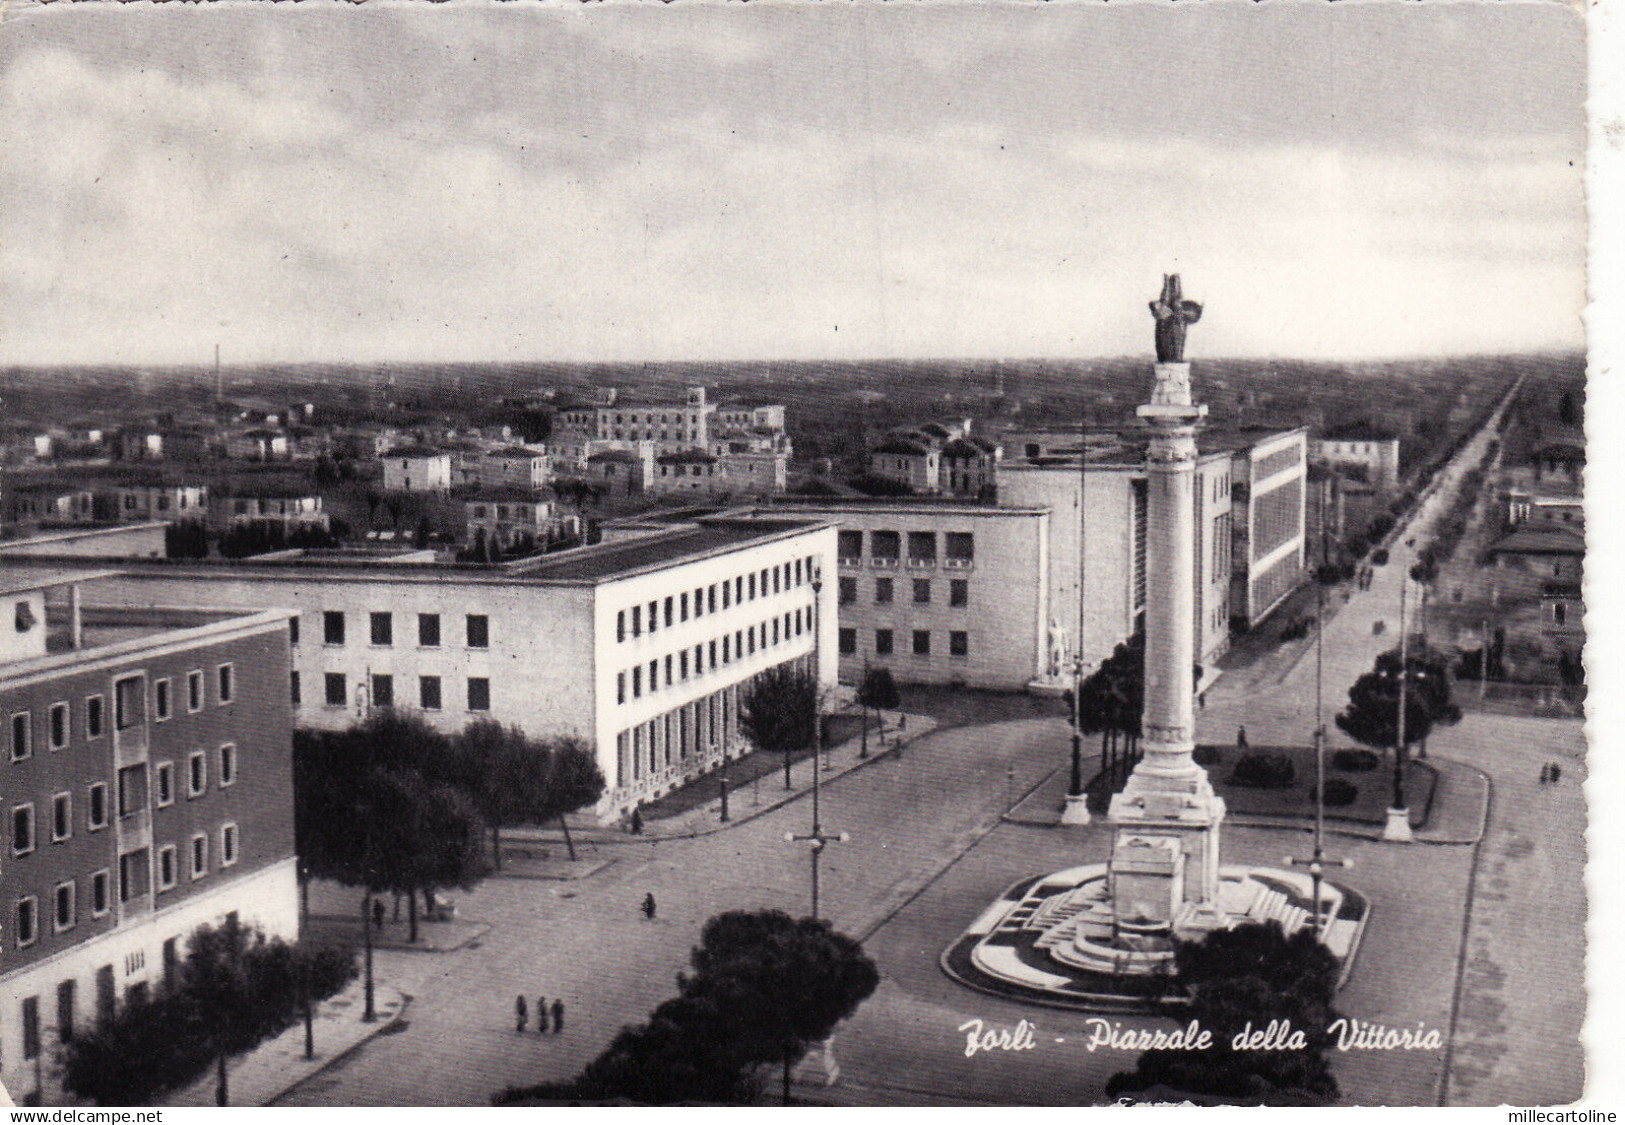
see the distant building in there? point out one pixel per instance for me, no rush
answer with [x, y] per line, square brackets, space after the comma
[691, 470]
[287, 508]
[671, 425]
[512, 517]
[258, 445]
[512, 466]
[1268, 477]
[1548, 553]
[135, 501]
[140, 444]
[417, 468]
[148, 791]
[1371, 449]
[50, 503]
[736, 416]
[909, 460]
[968, 467]
[629, 471]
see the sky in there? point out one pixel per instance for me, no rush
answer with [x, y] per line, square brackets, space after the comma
[361, 183]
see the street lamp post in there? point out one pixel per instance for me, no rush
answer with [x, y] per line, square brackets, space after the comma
[1398, 827]
[363, 706]
[1319, 861]
[818, 838]
[1076, 810]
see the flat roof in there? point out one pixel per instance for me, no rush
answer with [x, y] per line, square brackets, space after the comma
[710, 537]
[921, 504]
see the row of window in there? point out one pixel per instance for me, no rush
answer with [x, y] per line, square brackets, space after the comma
[740, 644]
[132, 796]
[129, 706]
[381, 629]
[65, 895]
[958, 546]
[704, 599]
[958, 642]
[958, 591]
[381, 691]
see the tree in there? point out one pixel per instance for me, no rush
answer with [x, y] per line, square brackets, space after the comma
[763, 987]
[779, 712]
[420, 537]
[517, 780]
[877, 692]
[233, 990]
[1372, 714]
[1251, 974]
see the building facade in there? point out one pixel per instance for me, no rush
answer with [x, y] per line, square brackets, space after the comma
[671, 425]
[940, 593]
[148, 790]
[1268, 486]
[561, 644]
[417, 470]
[1371, 450]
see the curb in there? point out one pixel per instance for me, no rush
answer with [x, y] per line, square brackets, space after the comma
[377, 1029]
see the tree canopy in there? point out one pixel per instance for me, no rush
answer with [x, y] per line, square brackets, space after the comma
[1372, 714]
[779, 712]
[878, 691]
[1249, 975]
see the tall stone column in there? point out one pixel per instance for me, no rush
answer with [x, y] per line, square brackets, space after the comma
[1168, 799]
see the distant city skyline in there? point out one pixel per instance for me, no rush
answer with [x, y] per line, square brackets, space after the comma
[767, 183]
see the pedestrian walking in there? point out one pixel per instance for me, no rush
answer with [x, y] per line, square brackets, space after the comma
[637, 822]
[1545, 773]
[541, 1015]
[1557, 773]
[558, 1016]
[520, 1015]
[649, 906]
[1241, 738]
[377, 914]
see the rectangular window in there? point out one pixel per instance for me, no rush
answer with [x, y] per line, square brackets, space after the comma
[97, 816]
[197, 773]
[67, 906]
[885, 545]
[479, 693]
[332, 627]
[682, 606]
[669, 680]
[334, 689]
[620, 626]
[31, 1026]
[751, 585]
[654, 675]
[620, 687]
[848, 641]
[134, 872]
[160, 700]
[383, 628]
[922, 642]
[100, 902]
[164, 782]
[654, 615]
[200, 856]
[922, 591]
[637, 620]
[429, 630]
[726, 652]
[61, 816]
[959, 546]
[958, 643]
[166, 867]
[383, 689]
[958, 591]
[848, 588]
[59, 725]
[293, 688]
[22, 829]
[293, 629]
[228, 845]
[27, 922]
[637, 682]
[225, 683]
[682, 665]
[711, 598]
[883, 591]
[429, 693]
[130, 701]
[727, 594]
[228, 765]
[479, 631]
[93, 717]
[194, 691]
[668, 612]
[883, 642]
[922, 546]
[711, 654]
[22, 740]
[64, 1011]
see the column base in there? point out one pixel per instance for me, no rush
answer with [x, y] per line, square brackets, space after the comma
[1076, 812]
[1398, 828]
[818, 1066]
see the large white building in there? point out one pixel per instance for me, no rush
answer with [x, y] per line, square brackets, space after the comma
[1269, 484]
[640, 646]
[671, 425]
[1369, 449]
[940, 592]
[417, 469]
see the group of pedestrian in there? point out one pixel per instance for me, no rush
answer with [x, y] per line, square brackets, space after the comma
[1551, 772]
[1363, 579]
[521, 1014]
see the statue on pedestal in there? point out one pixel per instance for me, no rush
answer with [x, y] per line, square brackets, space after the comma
[1059, 652]
[1173, 312]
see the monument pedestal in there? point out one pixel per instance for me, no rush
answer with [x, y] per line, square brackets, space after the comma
[1076, 812]
[1398, 828]
[1182, 809]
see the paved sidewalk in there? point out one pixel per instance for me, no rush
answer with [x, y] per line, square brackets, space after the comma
[705, 818]
[264, 1074]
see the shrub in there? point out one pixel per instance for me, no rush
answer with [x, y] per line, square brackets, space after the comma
[1379, 557]
[1207, 755]
[1355, 761]
[1340, 792]
[1263, 771]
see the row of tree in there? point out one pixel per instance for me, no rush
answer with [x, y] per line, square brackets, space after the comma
[761, 989]
[394, 805]
[232, 991]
